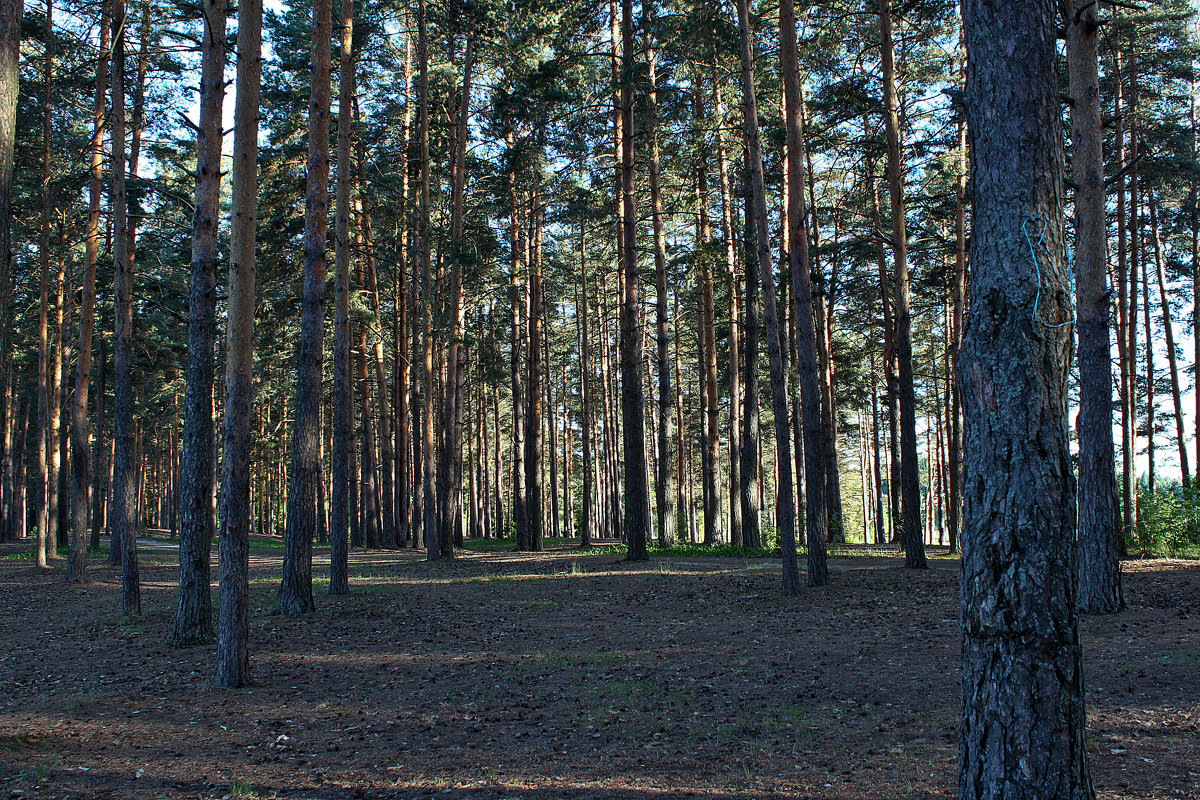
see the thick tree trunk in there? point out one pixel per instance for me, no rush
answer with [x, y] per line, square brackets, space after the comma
[633, 403]
[295, 591]
[807, 367]
[910, 476]
[1022, 733]
[233, 665]
[193, 611]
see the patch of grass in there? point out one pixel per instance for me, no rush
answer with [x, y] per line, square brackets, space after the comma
[61, 552]
[241, 789]
[491, 545]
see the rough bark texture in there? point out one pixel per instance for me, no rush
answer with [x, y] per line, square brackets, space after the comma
[633, 401]
[1099, 566]
[193, 610]
[785, 497]
[664, 477]
[1022, 732]
[10, 56]
[343, 410]
[910, 475]
[124, 470]
[81, 467]
[233, 661]
[811, 417]
[295, 591]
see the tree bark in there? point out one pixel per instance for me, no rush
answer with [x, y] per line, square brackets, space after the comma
[807, 366]
[193, 611]
[1099, 566]
[233, 663]
[295, 591]
[633, 403]
[665, 474]
[343, 404]
[785, 498]
[45, 475]
[910, 476]
[124, 511]
[1169, 333]
[1022, 733]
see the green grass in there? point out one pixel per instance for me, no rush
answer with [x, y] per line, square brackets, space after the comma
[62, 552]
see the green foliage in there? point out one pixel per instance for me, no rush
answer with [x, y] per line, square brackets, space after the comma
[1166, 522]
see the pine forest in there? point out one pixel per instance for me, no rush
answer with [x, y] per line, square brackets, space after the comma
[567, 400]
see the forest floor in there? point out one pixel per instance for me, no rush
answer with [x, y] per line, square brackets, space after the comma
[558, 676]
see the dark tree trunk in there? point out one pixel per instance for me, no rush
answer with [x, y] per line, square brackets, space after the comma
[295, 590]
[633, 401]
[1022, 732]
[124, 513]
[193, 612]
[910, 475]
[343, 406]
[748, 436]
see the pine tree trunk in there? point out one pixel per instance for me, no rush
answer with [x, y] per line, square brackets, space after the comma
[193, 612]
[633, 404]
[46, 520]
[343, 404]
[233, 665]
[124, 511]
[295, 591]
[1099, 567]
[450, 462]
[585, 428]
[736, 535]
[748, 437]
[665, 473]
[910, 477]
[785, 499]
[1022, 733]
[1169, 333]
[807, 366]
[10, 57]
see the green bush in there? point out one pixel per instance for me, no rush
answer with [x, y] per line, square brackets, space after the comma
[1166, 521]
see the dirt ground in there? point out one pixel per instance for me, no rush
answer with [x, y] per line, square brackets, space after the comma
[559, 676]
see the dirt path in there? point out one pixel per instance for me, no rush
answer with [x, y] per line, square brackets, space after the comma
[559, 675]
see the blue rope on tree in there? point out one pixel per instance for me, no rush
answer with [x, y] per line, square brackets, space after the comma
[1038, 270]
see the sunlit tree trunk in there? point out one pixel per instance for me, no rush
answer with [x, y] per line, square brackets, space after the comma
[233, 664]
